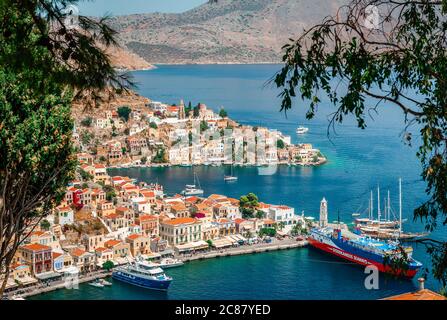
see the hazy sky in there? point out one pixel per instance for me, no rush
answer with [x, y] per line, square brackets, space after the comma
[121, 7]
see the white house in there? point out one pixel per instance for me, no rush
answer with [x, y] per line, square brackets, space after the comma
[140, 205]
[64, 215]
[282, 213]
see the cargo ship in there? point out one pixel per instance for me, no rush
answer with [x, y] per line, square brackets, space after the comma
[362, 250]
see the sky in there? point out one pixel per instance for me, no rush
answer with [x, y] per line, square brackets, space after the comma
[123, 7]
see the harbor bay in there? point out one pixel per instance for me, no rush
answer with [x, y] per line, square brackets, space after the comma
[358, 160]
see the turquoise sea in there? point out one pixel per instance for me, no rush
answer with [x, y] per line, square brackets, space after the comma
[359, 160]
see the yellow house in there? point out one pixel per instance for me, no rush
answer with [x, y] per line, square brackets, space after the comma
[139, 244]
[181, 230]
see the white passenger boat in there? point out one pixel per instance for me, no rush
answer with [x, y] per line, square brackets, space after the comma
[302, 130]
[143, 275]
[164, 263]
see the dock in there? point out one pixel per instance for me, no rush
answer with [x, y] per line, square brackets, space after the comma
[250, 249]
[42, 288]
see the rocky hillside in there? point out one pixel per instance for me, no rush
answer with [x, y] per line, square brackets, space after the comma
[222, 31]
[123, 58]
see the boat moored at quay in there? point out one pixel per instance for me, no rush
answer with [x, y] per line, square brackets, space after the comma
[361, 250]
[142, 276]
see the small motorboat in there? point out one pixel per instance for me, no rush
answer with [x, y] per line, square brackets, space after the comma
[302, 130]
[96, 284]
[105, 282]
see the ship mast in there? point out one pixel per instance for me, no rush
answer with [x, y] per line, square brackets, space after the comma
[400, 205]
[378, 204]
[389, 206]
[371, 204]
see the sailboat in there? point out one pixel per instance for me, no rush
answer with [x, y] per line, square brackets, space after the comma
[384, 228]
[231, 177]
[192, 189]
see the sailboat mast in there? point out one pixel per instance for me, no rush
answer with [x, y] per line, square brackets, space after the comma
[371, 207]
[400, 205]
[389, 206]
[378, 204]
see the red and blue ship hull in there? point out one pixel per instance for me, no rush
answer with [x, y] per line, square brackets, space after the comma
[345, 250]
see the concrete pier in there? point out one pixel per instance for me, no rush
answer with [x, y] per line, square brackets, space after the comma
[42, 288]
[256, 248]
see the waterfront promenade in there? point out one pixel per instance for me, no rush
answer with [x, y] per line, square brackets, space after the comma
[275, 245]
[54, 285]
[246, 249]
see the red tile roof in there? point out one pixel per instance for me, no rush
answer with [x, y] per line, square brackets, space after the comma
[112, 243]
[147, 217]
[56, 255]
[77, 252]
[134, 236]
[424, 294]
[36, 247]
[179, 221]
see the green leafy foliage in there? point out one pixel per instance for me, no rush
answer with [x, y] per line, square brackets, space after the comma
[223, 113]
[280, 144]
[248, 205]
[124, 112]
[44, 65]
[401, 63]
[108, 265]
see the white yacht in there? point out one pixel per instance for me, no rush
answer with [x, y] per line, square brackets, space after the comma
[164, 263]
[302, 130]
[192, 189]
[231, 177]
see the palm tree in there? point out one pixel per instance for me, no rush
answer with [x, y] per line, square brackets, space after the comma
[281, 225]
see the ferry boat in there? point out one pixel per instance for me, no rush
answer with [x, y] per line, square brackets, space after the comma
[302, 130]
[192, 189]
[143, 276]
[359, 249]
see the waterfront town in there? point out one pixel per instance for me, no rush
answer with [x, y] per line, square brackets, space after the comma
[134, 131]
[105, 221]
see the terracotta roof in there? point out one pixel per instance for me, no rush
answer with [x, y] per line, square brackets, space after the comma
[148, 194]
[36, 247]
[112, 243]
[216, 196]
[37, 233]
[172, 108]
[268, 221]
[424, 294]
[112, 216]
[122, 209]
[64, 208]
[179, 221]
[77, 252]
[56, 255]
[239, 220]
[179, 207]
[134, 236]
[192, 199]
[147, 217]
[101, 249]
